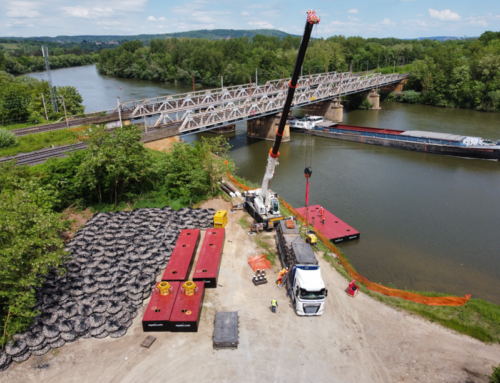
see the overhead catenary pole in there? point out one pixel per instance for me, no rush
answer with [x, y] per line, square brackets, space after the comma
[193, 81]
[222, 82]
[45, 108]
[256, 78]
[53, 100]
[65, 114]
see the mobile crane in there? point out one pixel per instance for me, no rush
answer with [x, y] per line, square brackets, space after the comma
[263, 204]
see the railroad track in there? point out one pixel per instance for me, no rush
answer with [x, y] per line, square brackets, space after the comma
[40, 156]
[71, 124]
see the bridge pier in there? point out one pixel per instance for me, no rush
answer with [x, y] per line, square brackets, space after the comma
[374, 99]
[331, 110]
[266, 127]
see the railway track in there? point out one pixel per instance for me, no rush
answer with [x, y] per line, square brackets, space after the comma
[71, 124]
[40, 156]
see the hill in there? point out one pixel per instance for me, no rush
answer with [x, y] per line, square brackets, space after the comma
[213, 34]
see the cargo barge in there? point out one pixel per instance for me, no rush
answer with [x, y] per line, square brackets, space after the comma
[418, 140]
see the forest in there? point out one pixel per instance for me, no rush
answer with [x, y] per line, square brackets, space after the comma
[238, 59]
[453, 73]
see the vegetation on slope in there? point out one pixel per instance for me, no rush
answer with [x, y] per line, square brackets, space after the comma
[116, 172]
[460, 74]
[21, 100]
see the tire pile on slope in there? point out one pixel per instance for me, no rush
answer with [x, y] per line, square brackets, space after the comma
[115, 259]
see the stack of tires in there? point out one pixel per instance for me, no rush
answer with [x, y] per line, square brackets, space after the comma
[114, 261]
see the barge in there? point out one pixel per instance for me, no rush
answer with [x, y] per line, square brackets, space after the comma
[417, 140]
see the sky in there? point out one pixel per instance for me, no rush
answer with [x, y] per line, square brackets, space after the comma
[366, 18]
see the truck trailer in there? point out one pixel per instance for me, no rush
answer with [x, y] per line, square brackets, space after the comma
[303, 281]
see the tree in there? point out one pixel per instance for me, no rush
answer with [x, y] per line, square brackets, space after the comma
[215, 159]
[30, 245]
[116, 164]
[14, 102]
[3, 61]
[72, 99]
[495, 377]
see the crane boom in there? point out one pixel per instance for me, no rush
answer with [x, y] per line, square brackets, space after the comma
[262, 204]
[274, 153]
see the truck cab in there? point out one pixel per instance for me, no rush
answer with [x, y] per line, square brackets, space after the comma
[307, 288]
[304, 283]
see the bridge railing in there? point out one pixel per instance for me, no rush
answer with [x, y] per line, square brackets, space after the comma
[202, 98]
[197, 101]
[258, 106]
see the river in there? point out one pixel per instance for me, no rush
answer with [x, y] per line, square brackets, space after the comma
[427, 222]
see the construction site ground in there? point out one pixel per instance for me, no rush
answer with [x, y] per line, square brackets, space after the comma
[355, 340]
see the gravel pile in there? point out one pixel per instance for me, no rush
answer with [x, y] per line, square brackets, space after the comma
[115, 260]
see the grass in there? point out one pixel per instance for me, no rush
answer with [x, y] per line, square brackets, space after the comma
[244, 223]
[270, 254]
[34, 142]
[10, 46]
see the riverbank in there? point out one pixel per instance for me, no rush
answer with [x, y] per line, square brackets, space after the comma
[478, 318]
[355, 340]
[428, 222]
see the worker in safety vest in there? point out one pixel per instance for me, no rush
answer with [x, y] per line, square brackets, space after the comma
[323, 218]
[274, 304]
[281, 275]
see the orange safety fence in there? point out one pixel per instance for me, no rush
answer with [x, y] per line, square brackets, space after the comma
[419, 298]
[259, 262]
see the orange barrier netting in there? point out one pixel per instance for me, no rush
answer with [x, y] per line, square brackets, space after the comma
[259, 262]
[431, 301]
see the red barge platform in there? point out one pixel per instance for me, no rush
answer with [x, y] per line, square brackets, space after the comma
[186, 313]
[334, 228]
[157, 314]
[208, 265]
[182, 257]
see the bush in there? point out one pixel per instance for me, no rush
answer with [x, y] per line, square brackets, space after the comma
[411, 97]
[495, 377]
[365, 104]
[7, 139]
[30, 245]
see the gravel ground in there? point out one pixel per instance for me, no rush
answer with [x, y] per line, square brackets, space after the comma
[356, 340]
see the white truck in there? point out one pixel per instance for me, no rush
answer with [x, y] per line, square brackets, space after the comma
[303, 281]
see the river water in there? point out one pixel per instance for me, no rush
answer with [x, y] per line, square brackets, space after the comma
[427, 222]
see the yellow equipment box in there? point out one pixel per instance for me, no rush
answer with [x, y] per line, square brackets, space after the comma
[220, 219]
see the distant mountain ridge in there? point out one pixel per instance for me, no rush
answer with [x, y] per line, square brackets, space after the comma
[213, 34]
[444, 38]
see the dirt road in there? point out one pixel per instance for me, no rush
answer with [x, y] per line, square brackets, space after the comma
[356, 340]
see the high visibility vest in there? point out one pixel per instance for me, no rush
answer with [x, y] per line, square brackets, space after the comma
[274, 302]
